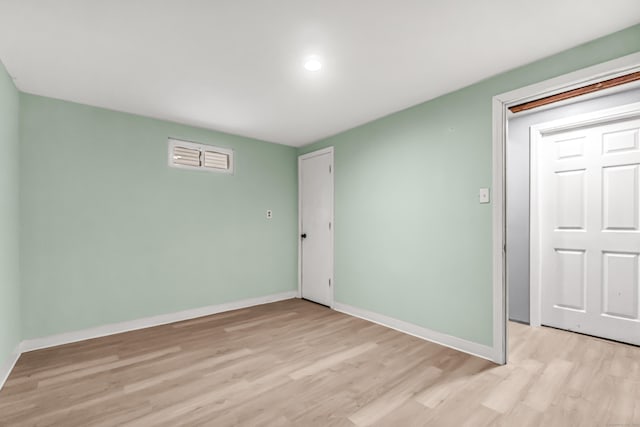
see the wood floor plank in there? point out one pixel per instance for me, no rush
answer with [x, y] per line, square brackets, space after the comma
[508, 393]
[396, 396]
[79, 373]
[267, 319]
[465, 403]
[521, 415]
[458, 377]
[409, 414]
[544, 391]
[332, 360]
[294, 363]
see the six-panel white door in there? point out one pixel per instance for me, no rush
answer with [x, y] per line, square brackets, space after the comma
[589, 207]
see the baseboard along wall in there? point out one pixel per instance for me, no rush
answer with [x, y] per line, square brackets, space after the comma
[132, 325]
[455, 343]
[459, 344]
[7, 367]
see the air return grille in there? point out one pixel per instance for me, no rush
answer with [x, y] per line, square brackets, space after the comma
[189, 155]
[216, 160]
[184, 156]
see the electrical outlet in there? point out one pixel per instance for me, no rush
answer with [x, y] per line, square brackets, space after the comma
[269, 214]
[484, 195]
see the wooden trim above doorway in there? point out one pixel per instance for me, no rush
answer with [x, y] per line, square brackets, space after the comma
[595, 87]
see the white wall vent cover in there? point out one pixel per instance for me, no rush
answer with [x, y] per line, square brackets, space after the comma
[189, 155]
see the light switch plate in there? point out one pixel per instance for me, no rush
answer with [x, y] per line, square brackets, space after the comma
[484, 195]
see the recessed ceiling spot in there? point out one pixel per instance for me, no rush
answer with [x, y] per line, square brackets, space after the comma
[312, 65]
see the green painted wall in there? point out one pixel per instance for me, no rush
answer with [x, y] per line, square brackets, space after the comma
[411, 239]
[9, 218]
[110, 233]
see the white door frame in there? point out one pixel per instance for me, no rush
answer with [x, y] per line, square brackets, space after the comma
[537, 133]
[328, 150]
[501, 103]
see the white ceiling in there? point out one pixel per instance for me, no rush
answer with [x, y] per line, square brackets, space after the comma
[237, 65]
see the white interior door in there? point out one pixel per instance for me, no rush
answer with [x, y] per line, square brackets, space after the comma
[589, 208]
[316, 226]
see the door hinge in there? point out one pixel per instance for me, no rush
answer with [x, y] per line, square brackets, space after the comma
[329, 282]
[329, 168]
[329, 225]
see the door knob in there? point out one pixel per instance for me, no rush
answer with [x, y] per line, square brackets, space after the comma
[303, 235]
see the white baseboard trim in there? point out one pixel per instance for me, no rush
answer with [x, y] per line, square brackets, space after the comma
[459, 344]
[7, 367]
[147, 322]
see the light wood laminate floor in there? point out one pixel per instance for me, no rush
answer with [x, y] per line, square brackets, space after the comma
[294, 363]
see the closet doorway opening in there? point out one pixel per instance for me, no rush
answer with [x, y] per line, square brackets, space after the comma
[566, 167]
